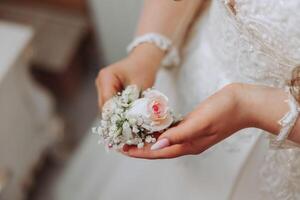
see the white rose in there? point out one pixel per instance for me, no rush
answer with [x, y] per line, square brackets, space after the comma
[153, 109]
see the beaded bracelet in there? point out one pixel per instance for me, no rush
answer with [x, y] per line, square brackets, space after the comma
[287, 122]
[162, 42]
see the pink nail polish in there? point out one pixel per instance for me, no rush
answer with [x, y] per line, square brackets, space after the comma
[160, 144]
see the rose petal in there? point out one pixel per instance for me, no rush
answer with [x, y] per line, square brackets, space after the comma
[159, 127]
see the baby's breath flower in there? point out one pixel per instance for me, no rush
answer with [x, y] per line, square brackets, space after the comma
[129, 142]
[148, 139]
[115, 119]
[140, 145]
[135, 129]
[139, 121]
[126, 118]
[113, 128]
[104, 123]
[127, 132]
[119, 111]
[132, 121]
[105, 116]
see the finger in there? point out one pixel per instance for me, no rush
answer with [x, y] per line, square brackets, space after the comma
[195, 146]
[166, 153]
[126, 148]
[107, 86]
[183, 132]
[200, 145]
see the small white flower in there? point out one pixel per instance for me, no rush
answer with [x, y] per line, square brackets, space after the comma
[132, 92]
[104, 123]
[127, 132]
[132, 121]
[105, 116]
[115, 118]
[109, 106]
[113, 128]
[140, 145]
[100, 131]
[139, 121]
[119, 111]
[148, 139]
[129, 142]
[124, 99]
[95, 130]
[116, 140]
[135, 129]
[111, 133]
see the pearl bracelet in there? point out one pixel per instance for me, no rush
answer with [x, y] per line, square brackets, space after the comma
[163, 43]
[287, 122]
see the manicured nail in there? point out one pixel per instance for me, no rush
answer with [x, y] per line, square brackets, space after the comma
[160, 144]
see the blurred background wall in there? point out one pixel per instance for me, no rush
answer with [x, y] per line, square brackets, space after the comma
[115, 23]
[66, 42]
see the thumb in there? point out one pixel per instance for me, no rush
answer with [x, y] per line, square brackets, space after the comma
[107, 85]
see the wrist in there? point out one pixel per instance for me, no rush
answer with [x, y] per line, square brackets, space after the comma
[249, 105]
[264, 106]
[147, 56]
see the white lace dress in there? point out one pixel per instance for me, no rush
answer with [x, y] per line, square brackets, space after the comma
[257, 41]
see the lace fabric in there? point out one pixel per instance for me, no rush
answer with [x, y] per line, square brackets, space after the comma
[280, 174]
[257, 43]
[262, 36]
[268, 50]
[288, 121]
[224, 48]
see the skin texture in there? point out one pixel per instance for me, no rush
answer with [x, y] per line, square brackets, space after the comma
[235, 107]
[138, 68]
[141, 66]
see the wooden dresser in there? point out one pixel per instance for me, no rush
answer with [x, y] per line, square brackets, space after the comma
[28, 123]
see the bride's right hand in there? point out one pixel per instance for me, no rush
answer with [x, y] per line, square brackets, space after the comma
[139, 68]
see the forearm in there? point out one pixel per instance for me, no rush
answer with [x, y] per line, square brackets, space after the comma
[169, 18]
[265, 107]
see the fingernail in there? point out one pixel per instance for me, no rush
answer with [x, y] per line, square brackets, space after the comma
[160, 144]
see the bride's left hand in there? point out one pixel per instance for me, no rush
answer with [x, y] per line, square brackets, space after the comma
[233, 108]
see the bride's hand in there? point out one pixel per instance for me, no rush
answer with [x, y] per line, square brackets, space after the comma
[234, 107]
[139, 68]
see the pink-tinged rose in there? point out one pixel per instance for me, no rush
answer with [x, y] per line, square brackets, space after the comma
[153, 109]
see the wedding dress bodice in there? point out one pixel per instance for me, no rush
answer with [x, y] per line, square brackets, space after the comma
[258, 40]
[253, 41]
